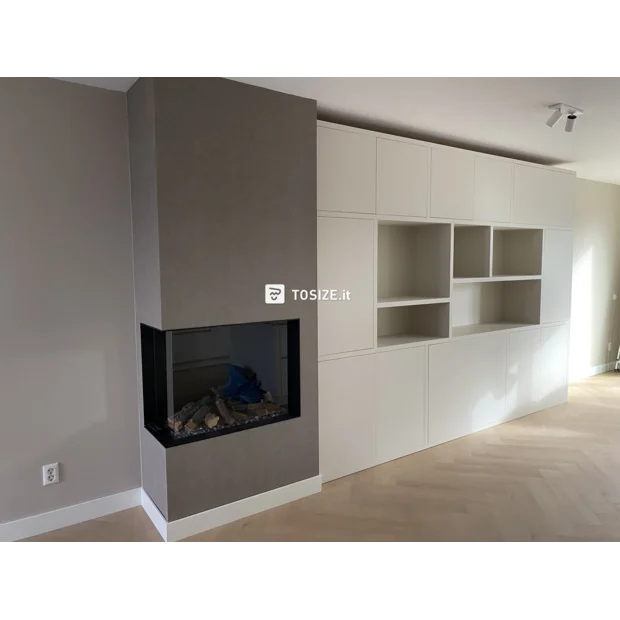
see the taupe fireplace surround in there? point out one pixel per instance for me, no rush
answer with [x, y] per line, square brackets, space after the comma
[224, 201]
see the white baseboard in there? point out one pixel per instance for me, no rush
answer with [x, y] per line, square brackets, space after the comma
[56, 519]
[595, 370]
[203, 521]
[158, 519]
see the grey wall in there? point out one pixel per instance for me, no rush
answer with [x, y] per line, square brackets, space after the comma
[67, 331]
[144, 202]
[595, 317]
[236, 209]
[236, 182]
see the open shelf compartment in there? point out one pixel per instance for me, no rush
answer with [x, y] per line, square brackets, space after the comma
[517, 251]
[480, 307]
[410, 324]
[472, 251]
[413, 262]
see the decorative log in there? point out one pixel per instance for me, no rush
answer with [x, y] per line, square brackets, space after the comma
[222, 407]
[239, 416]
[175, 420]
[211, 420]
[182, 417]
[197, 418]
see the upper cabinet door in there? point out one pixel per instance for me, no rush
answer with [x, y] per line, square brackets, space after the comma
[402, 178]
[347, 168]
[346, 262]
[452, 184]
[493, 192]
[543, 197]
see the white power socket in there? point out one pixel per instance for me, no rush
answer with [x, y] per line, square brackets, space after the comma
[51, 474]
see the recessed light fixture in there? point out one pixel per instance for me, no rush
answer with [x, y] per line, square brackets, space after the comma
[559, 111]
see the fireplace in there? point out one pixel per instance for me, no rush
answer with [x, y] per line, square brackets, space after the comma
[201, 383]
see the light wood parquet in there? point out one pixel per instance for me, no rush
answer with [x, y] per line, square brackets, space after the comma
[550, 476]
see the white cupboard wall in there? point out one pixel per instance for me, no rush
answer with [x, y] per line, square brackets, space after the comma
[346, 261]
[403, 173]
[557, 275]
[459, 271]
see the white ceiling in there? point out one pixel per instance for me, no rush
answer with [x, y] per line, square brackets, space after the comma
[498, 115]
[109, 83]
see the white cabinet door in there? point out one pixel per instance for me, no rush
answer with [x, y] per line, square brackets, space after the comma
[346, 171]
[522, 393]
[401, 403]
[543, 197]
[557, 270]
[562, 201]
[346, 262]
[452, 184]
[402, 178]
[530, 195]
[552, 366]
[467, 386]
[347, 409]
[493, 190]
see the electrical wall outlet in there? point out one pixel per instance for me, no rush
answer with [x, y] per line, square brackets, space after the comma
[614, 297]
[51, 474]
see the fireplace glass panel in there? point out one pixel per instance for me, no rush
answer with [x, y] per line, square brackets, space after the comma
[205, 382]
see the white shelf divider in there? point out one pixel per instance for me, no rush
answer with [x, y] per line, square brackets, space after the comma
[483, 328]
[495, 279]
[395, 302]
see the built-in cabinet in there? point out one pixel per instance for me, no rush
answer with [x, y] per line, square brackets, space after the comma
[346, 171]
[466, 386]
[493, 190]
[543, 196]
[403, 173]
[452, 184]
[347, 415]
[459, 270]
[346, 263]
[372, 409]
[557, 268]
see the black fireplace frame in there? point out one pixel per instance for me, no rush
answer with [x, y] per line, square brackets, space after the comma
[156, 383]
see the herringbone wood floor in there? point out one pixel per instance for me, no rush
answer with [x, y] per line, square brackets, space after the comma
[553, 475]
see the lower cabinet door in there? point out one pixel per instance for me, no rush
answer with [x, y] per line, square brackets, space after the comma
[552, 366]
[467, 386]
[521, 380]
[401, 403]
[347, 408]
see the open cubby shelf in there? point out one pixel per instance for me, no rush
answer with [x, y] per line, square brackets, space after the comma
[479, 307]
[472, 251]
[410, 324]
[436, 280]
[413, 261]
[517, 251]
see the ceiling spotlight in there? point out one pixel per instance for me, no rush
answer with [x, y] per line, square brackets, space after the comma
[570, 122]
[555, 118]
[560, 110]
